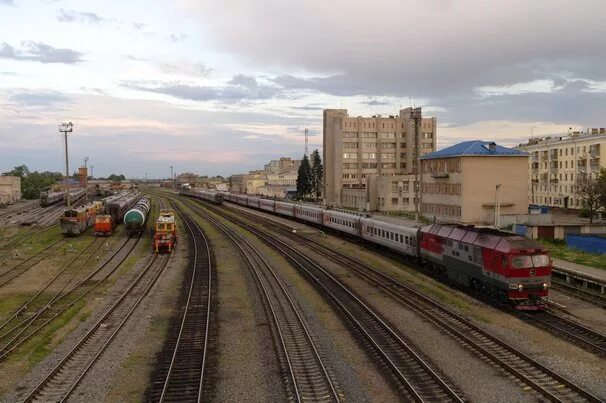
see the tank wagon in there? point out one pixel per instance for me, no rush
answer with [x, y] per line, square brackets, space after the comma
[76, 220]
[207, 195]
[118, 206]
[506, 267]
[135, 218]
[165, 232]
[76, 195]
[49, 198]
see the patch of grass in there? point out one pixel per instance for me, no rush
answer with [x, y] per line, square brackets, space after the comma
[39, 346]
[560, 250]
[9, 303]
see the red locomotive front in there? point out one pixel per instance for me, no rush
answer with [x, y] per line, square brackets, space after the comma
[165, 232]
[506, 267]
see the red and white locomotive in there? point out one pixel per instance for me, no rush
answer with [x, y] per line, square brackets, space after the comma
[504, 266]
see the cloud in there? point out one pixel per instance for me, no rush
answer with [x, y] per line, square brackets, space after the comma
[37, 99]
[40, 52]
[83, 17]
[7, 3]
[177, 37]
[239, 88]
[139, 25]
[188, 69]
[431, 48]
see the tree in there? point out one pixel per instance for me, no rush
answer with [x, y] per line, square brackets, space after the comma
[317, 174]
[34, 182]
[601, 185]
[304, 176]
[589, 192]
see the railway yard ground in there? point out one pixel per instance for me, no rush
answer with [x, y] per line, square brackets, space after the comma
[251, 306]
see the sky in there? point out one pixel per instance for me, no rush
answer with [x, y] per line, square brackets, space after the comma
[222, 87]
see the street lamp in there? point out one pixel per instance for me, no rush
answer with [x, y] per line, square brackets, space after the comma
[66, 128]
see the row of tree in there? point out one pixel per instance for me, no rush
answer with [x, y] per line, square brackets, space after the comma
[32, 183]
[310, 177]
[593, 194]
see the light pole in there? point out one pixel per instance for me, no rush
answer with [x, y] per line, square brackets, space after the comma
[496, 205]
[66, 128]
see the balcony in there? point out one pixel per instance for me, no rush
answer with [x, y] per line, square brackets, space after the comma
[594, 167]
[439, 175]
[553, 155]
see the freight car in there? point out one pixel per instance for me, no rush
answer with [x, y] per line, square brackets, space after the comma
[135, 218]
[504, 266]
[116, 207]
[76, 220]
[49, 198]
[165, 232]
[208, 195]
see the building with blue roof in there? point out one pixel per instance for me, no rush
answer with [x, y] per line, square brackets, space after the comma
[474, 182]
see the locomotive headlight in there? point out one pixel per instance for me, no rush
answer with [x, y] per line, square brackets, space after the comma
[520, 287]
[546, 285]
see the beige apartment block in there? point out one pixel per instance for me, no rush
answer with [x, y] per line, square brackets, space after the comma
[283, 164]
[459, 183]
[10, 189]
[356, 147]
[558, 165]
[393, 193]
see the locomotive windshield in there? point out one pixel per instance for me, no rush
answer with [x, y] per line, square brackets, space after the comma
[528, 261]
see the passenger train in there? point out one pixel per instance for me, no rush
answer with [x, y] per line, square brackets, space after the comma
[504, 266]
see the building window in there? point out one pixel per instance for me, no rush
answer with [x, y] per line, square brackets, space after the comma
[369, 145]
[350, 155]
[369, 156]
[394, 201]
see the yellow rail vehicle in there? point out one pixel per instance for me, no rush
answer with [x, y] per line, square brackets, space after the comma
[165, 232]
[75, 221]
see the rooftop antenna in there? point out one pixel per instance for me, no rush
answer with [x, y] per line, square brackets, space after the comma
[85, 161]
[306, 141]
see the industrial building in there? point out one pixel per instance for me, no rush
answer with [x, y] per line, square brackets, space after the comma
[10, 189]
[557, 165]
[356, 148]
[470, 181]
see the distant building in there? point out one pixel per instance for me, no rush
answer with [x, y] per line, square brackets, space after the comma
[282, 164]
[279, 184]
[357, 147]
[385, 193]
[458, 183]
[10, 189]
[557, 165]
[187, 177]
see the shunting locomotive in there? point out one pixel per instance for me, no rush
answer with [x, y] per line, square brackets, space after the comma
[165, 232]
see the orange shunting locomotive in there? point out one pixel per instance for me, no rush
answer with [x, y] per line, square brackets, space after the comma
[165, 232]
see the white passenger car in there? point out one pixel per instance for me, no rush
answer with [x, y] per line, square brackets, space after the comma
[397, 237]
[284, 208]
[344, 222]
[267, 205]
[308, 213]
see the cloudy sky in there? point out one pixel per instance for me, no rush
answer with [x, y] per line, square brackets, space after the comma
[220, 87]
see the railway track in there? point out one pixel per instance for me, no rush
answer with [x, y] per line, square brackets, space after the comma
[306, 376]
[586, 295]
[180, 372]
[69, 372]
[20, 268]
[529, 372]
[576, 333]
[413, 375]
[22, 331]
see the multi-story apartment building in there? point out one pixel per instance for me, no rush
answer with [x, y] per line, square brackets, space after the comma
[466, 182]
[282, 164]
[356, 147]
[558, 165]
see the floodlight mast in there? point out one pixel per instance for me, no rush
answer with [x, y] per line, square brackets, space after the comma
[66, 128]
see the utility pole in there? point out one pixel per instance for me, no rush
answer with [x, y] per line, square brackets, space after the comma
[91, 171]
[496, 205]
[66, 128]
[416, 118]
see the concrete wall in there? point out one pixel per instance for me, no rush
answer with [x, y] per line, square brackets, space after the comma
[480, 175]
[10, 189]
